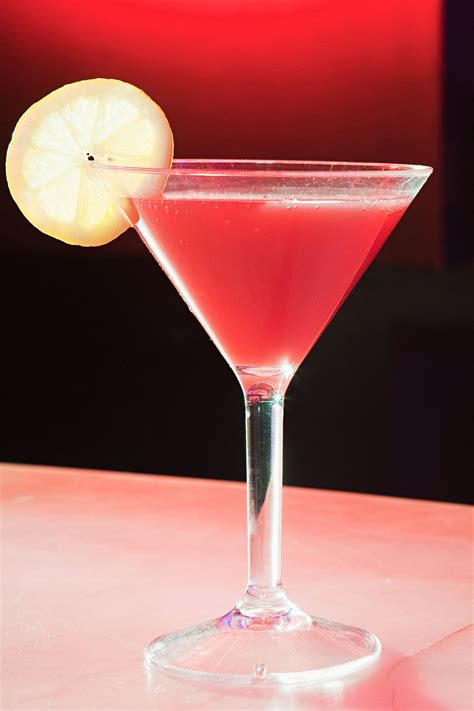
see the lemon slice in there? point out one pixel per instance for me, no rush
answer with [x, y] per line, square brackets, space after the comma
[50, 159]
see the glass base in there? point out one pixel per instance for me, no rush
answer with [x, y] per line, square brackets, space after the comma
[273, 648]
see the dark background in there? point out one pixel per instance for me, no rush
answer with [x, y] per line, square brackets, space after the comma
[103, 365]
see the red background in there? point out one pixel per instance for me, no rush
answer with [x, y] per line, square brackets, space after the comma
[283, 79]
[103, 366]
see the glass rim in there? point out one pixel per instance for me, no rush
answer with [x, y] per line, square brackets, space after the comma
[271, 168]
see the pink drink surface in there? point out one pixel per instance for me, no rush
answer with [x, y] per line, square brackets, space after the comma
[264, 277]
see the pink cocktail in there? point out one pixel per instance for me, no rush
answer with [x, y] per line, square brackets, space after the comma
[264, 253]
[264, 277]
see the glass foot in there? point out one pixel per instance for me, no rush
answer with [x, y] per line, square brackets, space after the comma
[284, 647]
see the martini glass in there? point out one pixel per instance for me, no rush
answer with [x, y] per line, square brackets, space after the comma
[263, 253]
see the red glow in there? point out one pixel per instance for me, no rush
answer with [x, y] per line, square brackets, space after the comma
[294, 79]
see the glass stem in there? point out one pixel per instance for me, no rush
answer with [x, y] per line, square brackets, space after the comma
[264, 428]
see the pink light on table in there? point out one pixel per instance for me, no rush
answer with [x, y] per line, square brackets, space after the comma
[96, 563]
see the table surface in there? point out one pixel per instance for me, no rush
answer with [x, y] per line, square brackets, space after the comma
[96, 564]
